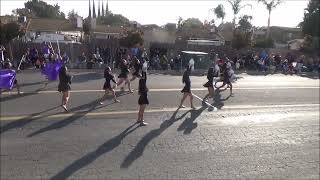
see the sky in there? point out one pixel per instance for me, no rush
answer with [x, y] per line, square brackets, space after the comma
[288, 14]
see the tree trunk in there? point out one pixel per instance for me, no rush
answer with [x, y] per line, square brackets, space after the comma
[268, 29]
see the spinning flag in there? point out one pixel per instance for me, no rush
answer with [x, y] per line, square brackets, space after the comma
[7, 77]
[51, 70]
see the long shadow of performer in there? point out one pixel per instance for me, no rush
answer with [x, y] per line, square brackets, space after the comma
[188, 124]
[62, 123]
[35, 116]
[80, 78]
[7, 98]
[217, 99]
[92, 156]
[22, 122]
[138, 150]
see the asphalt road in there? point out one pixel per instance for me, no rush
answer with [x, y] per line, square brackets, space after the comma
[268, 129]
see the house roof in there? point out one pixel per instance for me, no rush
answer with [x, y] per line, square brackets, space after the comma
[110, 29]
[7, 19]
[46, 24]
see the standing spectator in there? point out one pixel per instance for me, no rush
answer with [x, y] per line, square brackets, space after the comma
[65, 59]
[164, 62]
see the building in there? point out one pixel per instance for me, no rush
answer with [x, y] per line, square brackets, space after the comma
[295, 44]
[51, 30]
[226, 31]
[280, 35]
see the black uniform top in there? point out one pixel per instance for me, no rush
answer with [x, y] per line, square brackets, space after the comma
[64, 82]
[109, 77]
[143, 90]
[210, 74]
[137, 66]
[64, 79]
[226, 76]
[186, 76]
[124, 68]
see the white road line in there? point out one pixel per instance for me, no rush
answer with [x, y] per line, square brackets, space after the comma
[231, 107]
[168, 90]
[214, 108]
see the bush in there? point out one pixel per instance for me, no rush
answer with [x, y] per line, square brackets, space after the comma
[264, 43]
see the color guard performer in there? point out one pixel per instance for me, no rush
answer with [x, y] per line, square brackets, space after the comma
[187, 88]
[107, 86]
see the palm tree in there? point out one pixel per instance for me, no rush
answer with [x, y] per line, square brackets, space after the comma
[271, 4]
[219, 12]
[236, 7]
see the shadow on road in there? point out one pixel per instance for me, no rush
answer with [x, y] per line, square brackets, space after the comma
[77, 115]
[217, 99]
[139, 148]
[22, 122]
[92, 156]
[15, 96]
[62, 123]
[79, 78]
[188, 124]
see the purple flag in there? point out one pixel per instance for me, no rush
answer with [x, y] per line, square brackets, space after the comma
[45, 50]
[51, 70]
[7, 77]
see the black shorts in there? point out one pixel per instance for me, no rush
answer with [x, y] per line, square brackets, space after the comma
[143, 99]
[107, 86]
[137, 74]
[227, 81]
[208, 84]
[15, 82]
[186, 89]
[64, 87]
[122, 75]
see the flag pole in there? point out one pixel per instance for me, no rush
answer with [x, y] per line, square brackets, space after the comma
[58, 47]
[22, 59]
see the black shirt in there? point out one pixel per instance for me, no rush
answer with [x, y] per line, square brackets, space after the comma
[109, 77]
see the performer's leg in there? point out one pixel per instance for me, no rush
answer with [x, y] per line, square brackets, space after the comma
[140, 115]
[120, 81]
[210, 93]
[114, 95]
[182, 100]
[104, 96]
[133, 78]
[191, 100]
[129, 85]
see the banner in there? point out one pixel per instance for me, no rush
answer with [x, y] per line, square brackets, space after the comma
[7, 77]
[51, 70]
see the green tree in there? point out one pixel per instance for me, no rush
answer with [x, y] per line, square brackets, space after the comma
[171, 27]
[192, 23]
[180, 20]
[113, 20]
[270, 5]
[244, 24]
[311, 21]
[9, 31]
[72, 14]
[242, 34]
[86, 27]
[38, 8]
[236, 7]
[131, 39]
[219, 12]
